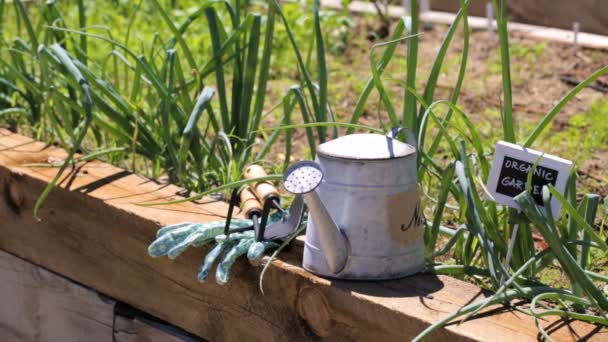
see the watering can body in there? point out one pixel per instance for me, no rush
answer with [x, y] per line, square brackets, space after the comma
[370, 192]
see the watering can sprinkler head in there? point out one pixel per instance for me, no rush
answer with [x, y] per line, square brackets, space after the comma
[302, 179]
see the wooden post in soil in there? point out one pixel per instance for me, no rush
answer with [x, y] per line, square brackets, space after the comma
[93, 233]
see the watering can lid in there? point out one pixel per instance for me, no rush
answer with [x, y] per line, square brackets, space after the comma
[366, 146]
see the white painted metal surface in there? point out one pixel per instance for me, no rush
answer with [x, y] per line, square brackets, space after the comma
[370, 190]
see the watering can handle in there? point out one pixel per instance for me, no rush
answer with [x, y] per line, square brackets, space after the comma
[409, 136]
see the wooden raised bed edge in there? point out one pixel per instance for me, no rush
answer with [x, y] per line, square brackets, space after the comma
[92, 232]
[552, 34]
[40, 305]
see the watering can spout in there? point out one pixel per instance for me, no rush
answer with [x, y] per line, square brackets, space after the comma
[302, 179]
[333, 241]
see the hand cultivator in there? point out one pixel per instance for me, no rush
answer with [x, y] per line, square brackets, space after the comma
[259, 231]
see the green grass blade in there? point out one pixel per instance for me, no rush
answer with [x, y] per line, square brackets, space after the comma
[22, 13]
[588, 210]
[568, 263]
[238, 75]
[177, 34]
[508, 124]
[264, 73]
[288, 106]
[579, 219]
[431, 83]
[183, 88]
[301, 66]
[31, 86]
[410, 119]
[382, 63]
[212, 19]
[166, 108]
[204, 99]
[299, 95]
[459, 233]
[431, 234]
[82, 22]
[15, 110]
[198, 13]
[472, 134]
[546, 120]
[249, 76]
[508, 282]
[88, 107]
[572, 229]
[460, 78]
[2, 22]
[505, 297]
[384, 97]
[321, 114]
[476, 225]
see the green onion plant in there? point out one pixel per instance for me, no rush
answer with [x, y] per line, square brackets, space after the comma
[491, 244]
[190, 105]
[190, 117]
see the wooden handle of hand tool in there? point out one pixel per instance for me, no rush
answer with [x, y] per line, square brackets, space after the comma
[249, 203]
[263, 190]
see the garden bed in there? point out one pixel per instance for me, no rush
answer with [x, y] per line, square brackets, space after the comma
[543, 71]
[93, 233]
[217, 87]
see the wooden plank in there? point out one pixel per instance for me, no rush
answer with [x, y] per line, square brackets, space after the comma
[93, 233]
[38, 305]
[135, 330]
[591, 14]
[131, 325]
[544, 33]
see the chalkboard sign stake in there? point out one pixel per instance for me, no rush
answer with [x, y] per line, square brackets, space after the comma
[510, 251]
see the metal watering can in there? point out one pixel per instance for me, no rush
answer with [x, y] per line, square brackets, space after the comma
[363, 203]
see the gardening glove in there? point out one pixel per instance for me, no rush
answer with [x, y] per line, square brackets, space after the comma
[234, 246]
[174, 239]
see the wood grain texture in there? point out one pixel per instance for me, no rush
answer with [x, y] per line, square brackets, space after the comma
[38, 305]
[137, 330]
[93, 233]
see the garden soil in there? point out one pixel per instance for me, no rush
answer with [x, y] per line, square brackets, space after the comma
[542, 73]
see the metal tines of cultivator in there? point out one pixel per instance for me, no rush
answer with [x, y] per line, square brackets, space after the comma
[234, 237]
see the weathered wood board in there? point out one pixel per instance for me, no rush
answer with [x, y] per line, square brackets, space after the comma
[93, 233]
[38, 305]
[544, 33]
[591, 14]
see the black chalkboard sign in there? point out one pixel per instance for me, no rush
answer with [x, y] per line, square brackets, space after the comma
[514, 176]
[509, 175]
